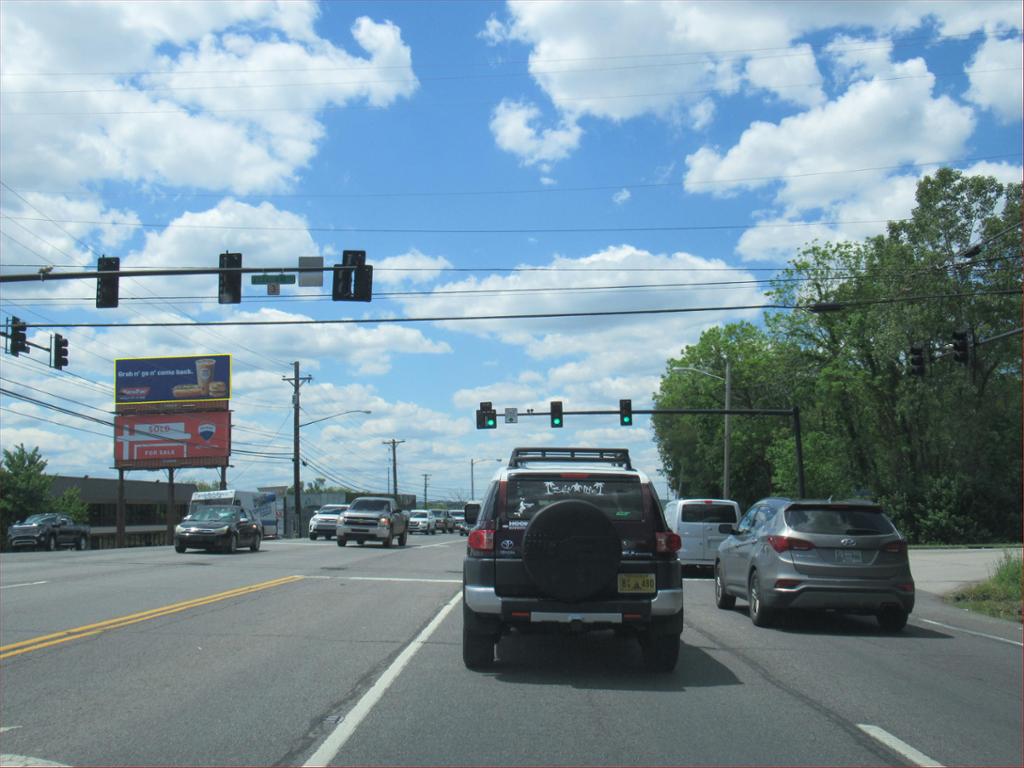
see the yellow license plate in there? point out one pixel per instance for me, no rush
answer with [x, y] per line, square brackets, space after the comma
[631, 583]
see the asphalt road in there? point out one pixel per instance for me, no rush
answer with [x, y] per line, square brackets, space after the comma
[307, 653]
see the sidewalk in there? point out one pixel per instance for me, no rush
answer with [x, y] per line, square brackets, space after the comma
[942, 570]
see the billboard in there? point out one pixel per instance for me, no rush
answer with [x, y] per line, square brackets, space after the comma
[196, 378]
[159, 440]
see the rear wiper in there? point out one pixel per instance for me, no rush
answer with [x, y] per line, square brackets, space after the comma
[862, 532]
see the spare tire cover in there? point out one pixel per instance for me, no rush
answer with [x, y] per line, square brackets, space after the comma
[571, 550]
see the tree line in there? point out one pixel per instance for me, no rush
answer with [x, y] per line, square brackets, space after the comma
[942, 451]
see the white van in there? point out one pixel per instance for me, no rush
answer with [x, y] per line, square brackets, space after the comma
[696, 521]
[257, 503]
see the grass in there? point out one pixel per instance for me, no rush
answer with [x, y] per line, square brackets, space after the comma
[999, 596]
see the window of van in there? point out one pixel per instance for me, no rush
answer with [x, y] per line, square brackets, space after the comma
[708, 513]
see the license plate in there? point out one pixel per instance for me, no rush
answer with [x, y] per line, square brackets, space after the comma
[849, 556]
[631, 583]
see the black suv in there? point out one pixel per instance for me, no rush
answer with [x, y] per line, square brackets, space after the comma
[573, 538]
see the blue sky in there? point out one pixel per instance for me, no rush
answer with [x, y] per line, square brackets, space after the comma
[490, 158]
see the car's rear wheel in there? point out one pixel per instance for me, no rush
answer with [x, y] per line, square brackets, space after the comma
[892, 619]
[255, 546]
[661, 651]
[760, 615]
[723, 599]
[342, 541]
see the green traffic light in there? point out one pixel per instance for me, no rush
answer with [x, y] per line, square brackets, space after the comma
[490, 422]
[556, 422]
[627, 420]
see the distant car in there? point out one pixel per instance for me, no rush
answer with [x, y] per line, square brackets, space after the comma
[48, 531]
[846, 556]
[459, 522]
[697, 521]
[444, 520]
[324, 521]
[224, 528]
[423, 521]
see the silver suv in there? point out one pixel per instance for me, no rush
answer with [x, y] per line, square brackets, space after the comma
[845, 555]
[572, 539]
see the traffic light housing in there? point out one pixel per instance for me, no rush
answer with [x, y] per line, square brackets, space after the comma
[961, 347]
[353, 278]
[60, 352]
[229, 290]
[486, 417]
[19, 336]
[917, 360]
[625, 413]
[556, 414]
[106, 285]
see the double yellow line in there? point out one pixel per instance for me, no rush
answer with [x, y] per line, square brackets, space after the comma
[67, 635]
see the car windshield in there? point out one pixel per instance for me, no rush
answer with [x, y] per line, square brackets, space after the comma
[36, 519]
[208, 514]
[419, 514]
[369, 505]
[619, 498]
[708, 513]
[839, 521]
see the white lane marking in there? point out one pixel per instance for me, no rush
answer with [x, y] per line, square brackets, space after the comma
[441, 544]
[24, 761]
[26, 584]
[6, 728]
[898, 746]
[972, 632]
[328, 751]
[389, 578]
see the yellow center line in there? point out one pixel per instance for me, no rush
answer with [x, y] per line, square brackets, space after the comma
[88, 630]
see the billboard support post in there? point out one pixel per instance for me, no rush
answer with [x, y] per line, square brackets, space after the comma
[169, 513]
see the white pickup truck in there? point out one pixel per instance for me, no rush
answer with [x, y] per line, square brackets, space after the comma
[373, 518]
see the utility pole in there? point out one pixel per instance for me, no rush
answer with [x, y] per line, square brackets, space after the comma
[394, 461]
[296, 382]
[425, 478]
[728, 432]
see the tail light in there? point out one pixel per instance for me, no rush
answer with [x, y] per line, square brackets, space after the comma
[667, 541]
[899, 547]
[481, 540]
[783, 543]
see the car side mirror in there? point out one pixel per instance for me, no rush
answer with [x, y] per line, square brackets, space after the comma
[472, 512]
[727, 529]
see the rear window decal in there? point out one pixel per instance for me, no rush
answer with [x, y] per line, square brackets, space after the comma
[587, 489]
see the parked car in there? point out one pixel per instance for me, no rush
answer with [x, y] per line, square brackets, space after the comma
[324, 521]
[697, 521]
[423, 521]
[225, 528]
[844, 555]
[50, 531]
[571, 539]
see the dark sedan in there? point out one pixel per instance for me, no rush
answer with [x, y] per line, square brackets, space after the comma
[223, 528]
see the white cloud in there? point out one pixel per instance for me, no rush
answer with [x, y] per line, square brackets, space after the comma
[411, 267]
[701, 114]
[792, 76]
[511, 124]
[234, 109]
[621, 196]
[855, 57]
[1005, 173]
[875, 123]
[997, 82]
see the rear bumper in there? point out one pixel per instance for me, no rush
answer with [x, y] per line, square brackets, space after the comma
[483, 599]
[859, 597]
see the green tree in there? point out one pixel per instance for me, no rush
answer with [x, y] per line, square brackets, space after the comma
[71, 504]
[24, 489]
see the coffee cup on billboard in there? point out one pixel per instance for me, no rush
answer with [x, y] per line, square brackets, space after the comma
[204, 373]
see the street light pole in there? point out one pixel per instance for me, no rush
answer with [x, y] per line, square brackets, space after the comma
[727, 437]
[472, 485]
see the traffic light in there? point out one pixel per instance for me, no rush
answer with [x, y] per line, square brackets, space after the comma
[961, 347]
[917, 362]
[486, 417]
[60, 351]
[556, 413]
[19, 336]
[106, 285]
[625, 413]
[353, 278]
[229, 290]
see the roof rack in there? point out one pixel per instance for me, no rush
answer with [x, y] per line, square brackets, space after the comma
[615, 456]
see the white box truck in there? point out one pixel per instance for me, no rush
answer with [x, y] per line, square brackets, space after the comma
[259, 504]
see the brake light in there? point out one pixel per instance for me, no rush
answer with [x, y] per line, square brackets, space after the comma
[481, 540]
[899, 547]
[667, 541]
[783, 543]
[574, 475]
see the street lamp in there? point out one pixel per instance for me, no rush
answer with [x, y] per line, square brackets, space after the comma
[314, 421]
[472, 485]
[728, 399]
